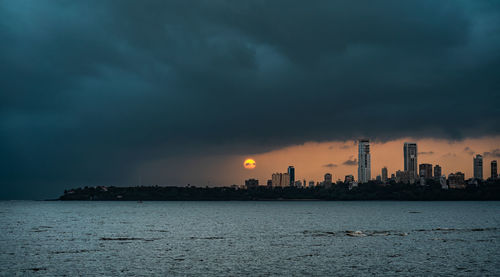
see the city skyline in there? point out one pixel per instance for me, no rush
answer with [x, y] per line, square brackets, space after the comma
[414, 171]
[314, 160]
[460, 160]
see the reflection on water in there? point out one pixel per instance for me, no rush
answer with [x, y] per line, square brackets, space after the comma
[249, 238]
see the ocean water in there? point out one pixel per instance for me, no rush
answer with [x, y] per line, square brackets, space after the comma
[249, 238]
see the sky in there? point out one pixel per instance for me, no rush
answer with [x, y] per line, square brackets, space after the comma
[177, 92]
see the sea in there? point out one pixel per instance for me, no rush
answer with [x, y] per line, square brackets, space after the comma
[254, 238]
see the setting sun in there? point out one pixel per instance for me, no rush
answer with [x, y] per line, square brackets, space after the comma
[249, 164]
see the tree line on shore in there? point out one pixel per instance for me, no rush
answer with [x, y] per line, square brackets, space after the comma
[485, 190]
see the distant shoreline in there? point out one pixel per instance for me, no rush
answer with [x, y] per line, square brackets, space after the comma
[484, 191]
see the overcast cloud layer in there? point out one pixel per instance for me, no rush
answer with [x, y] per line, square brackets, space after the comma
[91, 89]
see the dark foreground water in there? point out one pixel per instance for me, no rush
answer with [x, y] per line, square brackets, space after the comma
[250, 238]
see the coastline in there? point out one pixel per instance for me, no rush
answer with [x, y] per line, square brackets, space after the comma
[371, 191]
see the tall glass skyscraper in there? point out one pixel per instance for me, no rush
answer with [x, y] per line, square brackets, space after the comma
[364, 163]
[410, 159]
[478, 167]
[291, 173]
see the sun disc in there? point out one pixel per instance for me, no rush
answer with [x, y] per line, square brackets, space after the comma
[249, 164]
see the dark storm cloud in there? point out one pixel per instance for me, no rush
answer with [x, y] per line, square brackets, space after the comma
[341, 147]
[351, 162]
[90, 90]
[468, 150]
[495, 153]
[330, 165]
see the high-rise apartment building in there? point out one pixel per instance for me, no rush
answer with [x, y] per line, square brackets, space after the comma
[291, 173]
[410, 160]
[437, 171]
[328, 180]
[425, 171]
[456, 180]
[478, 167]
[494, 172]
[364, 163]
[280, 179]
[402, 177]
[384, 174]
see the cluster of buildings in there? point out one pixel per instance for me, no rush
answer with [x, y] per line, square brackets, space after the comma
[412, 173]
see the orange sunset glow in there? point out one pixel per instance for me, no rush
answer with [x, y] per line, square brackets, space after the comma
[312, 159]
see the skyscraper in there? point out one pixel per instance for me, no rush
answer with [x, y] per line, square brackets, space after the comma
[291, 173]
[276, 179]
[384, 174]
[410, 160]
[494, 173]
[425, 171]
[328, 180]
[280, 180]
[437, 171]
[364, 164]
[478, 167]
[285, 180]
